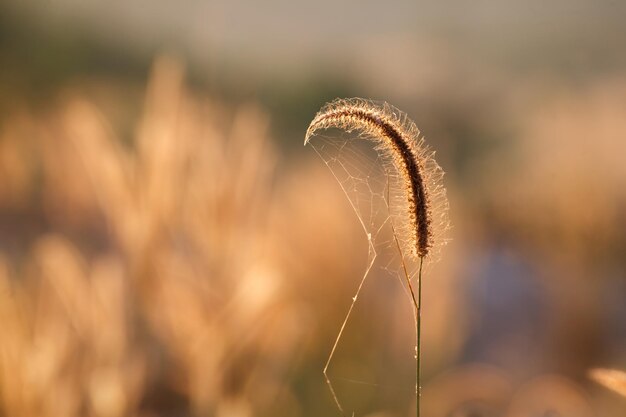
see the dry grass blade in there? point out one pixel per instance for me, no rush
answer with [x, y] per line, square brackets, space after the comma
[612, 379]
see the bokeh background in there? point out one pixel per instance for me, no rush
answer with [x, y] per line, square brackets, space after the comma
[169, 248]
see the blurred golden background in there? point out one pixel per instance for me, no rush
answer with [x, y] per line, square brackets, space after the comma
[169, 248]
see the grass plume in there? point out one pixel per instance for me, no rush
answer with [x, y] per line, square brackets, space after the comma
[399, 137]
[398, 140]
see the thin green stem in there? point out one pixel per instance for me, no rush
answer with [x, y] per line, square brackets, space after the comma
[417, 312]
[418, 331]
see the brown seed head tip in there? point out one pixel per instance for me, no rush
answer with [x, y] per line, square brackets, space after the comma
[399, 138]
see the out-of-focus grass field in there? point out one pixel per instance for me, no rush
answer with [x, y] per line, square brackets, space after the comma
[168, 248]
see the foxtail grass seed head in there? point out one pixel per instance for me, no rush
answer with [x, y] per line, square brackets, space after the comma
[397, 136]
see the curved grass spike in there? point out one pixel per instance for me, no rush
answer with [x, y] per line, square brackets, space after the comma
[399, 138]
[396, 133]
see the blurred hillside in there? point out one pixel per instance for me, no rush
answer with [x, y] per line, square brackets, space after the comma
[294, 57]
